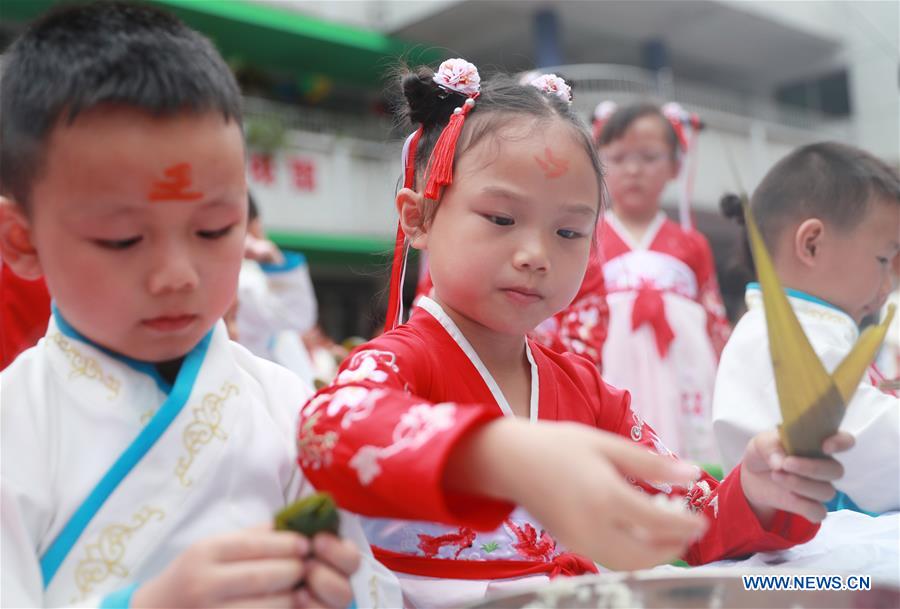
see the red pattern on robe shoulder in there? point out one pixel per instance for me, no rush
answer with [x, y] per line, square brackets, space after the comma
[403, 401]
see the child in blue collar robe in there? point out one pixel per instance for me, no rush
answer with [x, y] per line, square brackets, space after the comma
[144, 454]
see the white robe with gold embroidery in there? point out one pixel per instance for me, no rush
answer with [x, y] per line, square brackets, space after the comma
[226, 462]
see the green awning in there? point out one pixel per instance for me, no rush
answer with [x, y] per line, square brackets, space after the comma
[278, 39]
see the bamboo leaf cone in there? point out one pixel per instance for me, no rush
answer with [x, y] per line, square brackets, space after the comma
[812, 402]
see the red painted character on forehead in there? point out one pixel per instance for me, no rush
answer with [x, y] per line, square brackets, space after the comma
[176, 185]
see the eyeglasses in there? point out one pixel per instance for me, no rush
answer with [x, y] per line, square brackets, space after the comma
[643, 159]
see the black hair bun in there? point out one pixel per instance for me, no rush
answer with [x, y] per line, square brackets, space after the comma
[427, 102]
[732, 207]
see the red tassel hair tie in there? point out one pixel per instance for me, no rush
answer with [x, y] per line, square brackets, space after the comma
[440, 166]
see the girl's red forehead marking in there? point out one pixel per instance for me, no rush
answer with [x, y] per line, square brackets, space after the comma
[552, 166]
[175, 186]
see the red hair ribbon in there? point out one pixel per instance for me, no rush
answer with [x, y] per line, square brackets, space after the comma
[398, 266]
[440, 165]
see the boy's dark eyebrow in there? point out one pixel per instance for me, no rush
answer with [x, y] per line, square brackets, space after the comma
[505, 193]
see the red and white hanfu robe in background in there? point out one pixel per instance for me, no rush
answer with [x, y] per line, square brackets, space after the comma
[379, 438]
[580, 328]
[667, 326]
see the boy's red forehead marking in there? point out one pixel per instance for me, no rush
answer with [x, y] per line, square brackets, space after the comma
[175, 186]
[552, 167]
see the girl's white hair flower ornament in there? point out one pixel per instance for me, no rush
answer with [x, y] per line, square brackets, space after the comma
[552, 84]
[459, 76]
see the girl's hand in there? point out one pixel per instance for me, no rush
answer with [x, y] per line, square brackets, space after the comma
[774, 481]
[571, 478]
[255, 567]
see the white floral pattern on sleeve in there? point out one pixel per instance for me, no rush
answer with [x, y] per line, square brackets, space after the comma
[359, 402]
[367, 365]
[416, 426]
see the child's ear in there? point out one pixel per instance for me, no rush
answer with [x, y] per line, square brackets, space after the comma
[16, 246]
[411, 207]
[808, 240]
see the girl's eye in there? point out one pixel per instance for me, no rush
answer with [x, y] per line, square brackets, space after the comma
[569, 234]
[882, 260]
[499, 220]
[117, 244]
[649, 158]
[215, 234]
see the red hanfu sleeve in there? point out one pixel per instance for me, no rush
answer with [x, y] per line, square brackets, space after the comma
[734, 530]
[380, 447]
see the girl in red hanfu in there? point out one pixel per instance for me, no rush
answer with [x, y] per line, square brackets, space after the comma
[485, 458]
[667, 323]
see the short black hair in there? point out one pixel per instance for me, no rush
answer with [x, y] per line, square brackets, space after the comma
[80, 56]
[617, 124]
[501, 100]
[828, 180]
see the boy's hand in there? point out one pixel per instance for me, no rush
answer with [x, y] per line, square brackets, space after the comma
[255, 567]
[571, 478]
[262, 251]
[774, 481]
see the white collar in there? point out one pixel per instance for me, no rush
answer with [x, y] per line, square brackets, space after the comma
[807, 309]
[625, 235]
[436, 311]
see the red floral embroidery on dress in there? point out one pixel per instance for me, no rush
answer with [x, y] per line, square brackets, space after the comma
[529, 543]
[462, 539]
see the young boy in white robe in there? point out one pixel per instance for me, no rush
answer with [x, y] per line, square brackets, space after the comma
[830, 216]
[143, 453]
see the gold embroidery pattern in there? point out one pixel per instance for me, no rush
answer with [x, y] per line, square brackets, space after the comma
[826, 315]
[373, 591]
[812, 310]
[147, 416]
[104, 556]
[205, 426]
[314, 450]
[85, 366]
